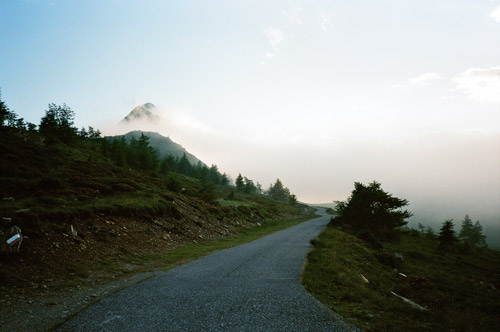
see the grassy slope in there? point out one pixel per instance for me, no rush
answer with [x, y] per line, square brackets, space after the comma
[461, 292]
[124, 217]
[61, 182]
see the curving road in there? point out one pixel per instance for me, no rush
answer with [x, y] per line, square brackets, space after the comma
[252, 287]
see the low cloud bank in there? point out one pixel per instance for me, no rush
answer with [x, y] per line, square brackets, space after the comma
[444, 175]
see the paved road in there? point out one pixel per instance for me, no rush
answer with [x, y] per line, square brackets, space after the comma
[252, 287]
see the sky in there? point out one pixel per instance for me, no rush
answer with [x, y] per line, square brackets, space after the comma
[318, 93]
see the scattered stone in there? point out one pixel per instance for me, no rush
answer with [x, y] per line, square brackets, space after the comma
[410, 302]
[5, 219]
[23, 210]
[397, 256]
[364, 279]
[370, 316]
[9, 199]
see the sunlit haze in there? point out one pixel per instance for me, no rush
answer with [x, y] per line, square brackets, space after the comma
[317, 93]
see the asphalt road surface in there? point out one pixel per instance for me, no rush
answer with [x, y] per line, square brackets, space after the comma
[252, 287]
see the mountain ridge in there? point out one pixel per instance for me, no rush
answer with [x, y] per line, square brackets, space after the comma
[164, 145]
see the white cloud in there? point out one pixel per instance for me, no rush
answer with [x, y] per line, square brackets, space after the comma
[426, 79]
[294, 14]
[325, 19]
[495, 14]
[481, 85]
[275, 36]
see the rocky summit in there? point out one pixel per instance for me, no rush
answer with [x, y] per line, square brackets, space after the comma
[146, 112]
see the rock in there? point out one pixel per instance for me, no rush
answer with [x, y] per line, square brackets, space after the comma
[5, 219]
[10, 241]
[398, 257]
[410, 302]
[23, 210]
[9, 199]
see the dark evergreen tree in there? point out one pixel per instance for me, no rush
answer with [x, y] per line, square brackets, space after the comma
[471, 234]
[369, 208]
[479, 238]
[277, 191]
[184, 166]
[20, 124]
[240, 183]
[214, 175]
[467, 231]
[447, 237]
[4, 111]
[249, 186]
[224, 180]
[7, 116]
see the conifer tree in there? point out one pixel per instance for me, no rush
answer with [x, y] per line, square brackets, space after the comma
[471, 234]
[369, 208]
[447, 235]
[240, 183]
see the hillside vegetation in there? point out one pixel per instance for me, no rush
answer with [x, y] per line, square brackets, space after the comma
[91, 209]
[382, 276]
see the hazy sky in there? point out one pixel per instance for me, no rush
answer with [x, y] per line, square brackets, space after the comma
[318, 93]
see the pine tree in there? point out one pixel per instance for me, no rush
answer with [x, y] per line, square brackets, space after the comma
[369, 208]
[4, 110]
[240, 184]
[249, 186]
[224, 180]
[447, 235]
[479, 237]
[467, 231]
[472, 234]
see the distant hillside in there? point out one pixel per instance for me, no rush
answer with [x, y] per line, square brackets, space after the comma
[164, 145]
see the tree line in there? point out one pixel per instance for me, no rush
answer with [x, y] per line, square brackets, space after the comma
[276, 191]
[57, 126]
[375, 215]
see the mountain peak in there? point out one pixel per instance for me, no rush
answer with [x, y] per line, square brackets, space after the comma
[146, 112]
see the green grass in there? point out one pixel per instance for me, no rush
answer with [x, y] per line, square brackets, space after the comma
[460, 291]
